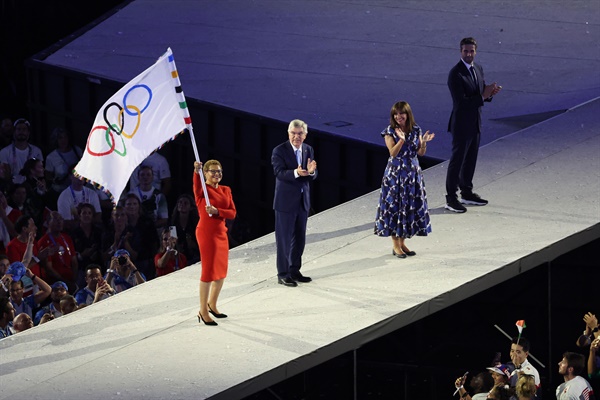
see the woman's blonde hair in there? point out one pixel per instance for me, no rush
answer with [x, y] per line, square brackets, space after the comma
[525, 387]
[210, 163]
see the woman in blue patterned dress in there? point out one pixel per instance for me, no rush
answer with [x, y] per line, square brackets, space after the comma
[402, 210]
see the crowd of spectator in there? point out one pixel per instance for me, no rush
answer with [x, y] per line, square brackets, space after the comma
[78, 246]
[518, 379]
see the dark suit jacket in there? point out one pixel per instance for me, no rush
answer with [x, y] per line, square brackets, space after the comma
[288, 189]
[466, 100]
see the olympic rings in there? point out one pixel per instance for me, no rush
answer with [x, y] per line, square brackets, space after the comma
[119, 127]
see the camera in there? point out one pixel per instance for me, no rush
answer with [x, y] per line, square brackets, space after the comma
[122, 260]
[172, 249]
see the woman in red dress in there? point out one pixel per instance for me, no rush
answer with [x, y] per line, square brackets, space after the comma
[211, 234]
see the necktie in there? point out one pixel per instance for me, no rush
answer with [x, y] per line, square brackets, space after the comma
[473, 75]
[299, 157]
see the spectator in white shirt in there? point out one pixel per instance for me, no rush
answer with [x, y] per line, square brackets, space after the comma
[72, 196]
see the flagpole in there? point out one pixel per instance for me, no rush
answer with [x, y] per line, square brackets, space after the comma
[193, 139]
[510, 338]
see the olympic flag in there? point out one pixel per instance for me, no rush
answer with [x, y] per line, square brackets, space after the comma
[140, 118]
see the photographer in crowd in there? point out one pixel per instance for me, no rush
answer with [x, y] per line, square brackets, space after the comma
[122, 273]
[169, 259]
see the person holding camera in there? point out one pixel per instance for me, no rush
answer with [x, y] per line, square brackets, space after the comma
[122, 273]
[168, 259]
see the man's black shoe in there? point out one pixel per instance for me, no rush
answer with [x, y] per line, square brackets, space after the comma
[301, 278]
[472, 199]
[455, 206]
[287, 282]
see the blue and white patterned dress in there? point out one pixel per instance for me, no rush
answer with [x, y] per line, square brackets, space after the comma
[402, 210]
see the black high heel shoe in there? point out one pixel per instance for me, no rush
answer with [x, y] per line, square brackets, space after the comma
[211, 323]
[216, 315]
[399, 255]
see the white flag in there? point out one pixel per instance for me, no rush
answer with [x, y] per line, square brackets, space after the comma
[147, 112]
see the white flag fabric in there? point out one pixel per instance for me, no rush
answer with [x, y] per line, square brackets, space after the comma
[140, 118]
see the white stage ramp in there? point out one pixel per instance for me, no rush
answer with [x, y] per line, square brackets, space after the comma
[146, 343]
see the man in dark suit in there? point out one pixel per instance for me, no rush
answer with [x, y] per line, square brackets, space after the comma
[294, 168]
[469, 92]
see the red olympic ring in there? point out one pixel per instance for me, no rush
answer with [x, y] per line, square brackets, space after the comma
[108, 134]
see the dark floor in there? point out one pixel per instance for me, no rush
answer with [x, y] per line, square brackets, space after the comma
[422, 360]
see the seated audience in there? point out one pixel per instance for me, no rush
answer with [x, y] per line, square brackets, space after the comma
[61, 263]
[7, 315]
[87, 237]
[519, 350]
[500, 393]
[30, 303]
[11, 213]
[168, 259]
[591, 330]
[6, 131]
[144, 239]
[593, 362]
[8, 217]
[68, 304]
[52, 310]
[17, 198]
[14, 156]
[122, 273]
[480, 384]
[17, 248]
[118, 235]
[574, 385]
[58, 162]
[5, 280]
[77, 193]
[37, 197]
[154, 202]
[500, 374]
[161, 173]
[525, 389]
[22, 322]
[185, 219]
[96, 288]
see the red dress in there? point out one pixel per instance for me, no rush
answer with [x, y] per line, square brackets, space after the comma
[211, 232]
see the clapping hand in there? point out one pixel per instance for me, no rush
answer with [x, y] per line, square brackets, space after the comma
[400, 134]
[311, 167]
[590, 320]
[427, 137]
[491, 90]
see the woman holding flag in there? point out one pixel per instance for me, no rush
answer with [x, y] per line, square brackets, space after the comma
[214, 207]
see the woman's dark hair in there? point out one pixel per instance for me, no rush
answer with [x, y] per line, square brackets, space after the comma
[22, 222]
[402, 107]
[81, 206]
[193, 209]
[28, 166]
